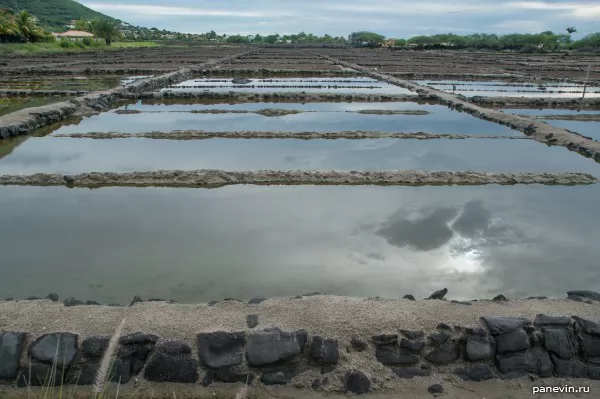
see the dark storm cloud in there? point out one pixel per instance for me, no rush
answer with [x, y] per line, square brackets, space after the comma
[394, 18]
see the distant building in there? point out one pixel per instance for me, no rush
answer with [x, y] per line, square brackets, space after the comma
[73, 35]
[389, 43]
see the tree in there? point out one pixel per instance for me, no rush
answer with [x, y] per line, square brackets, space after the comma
[364, 38]
[237, 39]
[8, 26]
[105, 29]
[571, 30]
[83, 24]
[28, 28]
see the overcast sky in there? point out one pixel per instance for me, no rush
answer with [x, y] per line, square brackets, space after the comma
[393, 18]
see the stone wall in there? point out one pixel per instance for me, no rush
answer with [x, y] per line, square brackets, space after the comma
[503, 347]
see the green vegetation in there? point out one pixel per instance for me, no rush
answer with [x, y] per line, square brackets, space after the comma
[54, 15]
[21, 27]
[365, 39]
[70, 46]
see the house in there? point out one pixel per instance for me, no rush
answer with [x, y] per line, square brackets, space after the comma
[73, 35]
[389, 43]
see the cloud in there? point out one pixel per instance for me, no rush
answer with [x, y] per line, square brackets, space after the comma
[393, 18]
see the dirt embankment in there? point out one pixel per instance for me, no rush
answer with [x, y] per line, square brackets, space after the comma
[253, 134]
[533, 128]
[217, 178]
[270, 96]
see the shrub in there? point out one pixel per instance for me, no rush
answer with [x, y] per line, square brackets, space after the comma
[79, 44]
[64, 43]
[87, 41]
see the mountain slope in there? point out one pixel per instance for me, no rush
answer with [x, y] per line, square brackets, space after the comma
[53, 14]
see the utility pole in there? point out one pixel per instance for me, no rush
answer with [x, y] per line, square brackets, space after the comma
[587, 76]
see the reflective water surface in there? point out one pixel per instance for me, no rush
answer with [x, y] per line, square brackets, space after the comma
[199, 245]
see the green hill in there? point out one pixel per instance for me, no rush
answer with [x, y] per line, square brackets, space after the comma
[54, 14]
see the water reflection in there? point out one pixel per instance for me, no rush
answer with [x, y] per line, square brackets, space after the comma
[199, 245]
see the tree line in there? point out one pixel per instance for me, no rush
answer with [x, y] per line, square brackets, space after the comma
[525, 42]
[21, 27]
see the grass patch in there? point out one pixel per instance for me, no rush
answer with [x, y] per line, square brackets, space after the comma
[66, 46]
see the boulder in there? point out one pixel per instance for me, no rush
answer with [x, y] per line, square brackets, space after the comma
[500, 298]
[560, 341]
[503, 325]
[136, 299]
[138, 338]
[590, 346]
[536, 361]
[357, 382]
[257, 300]
[444, 326]
[221, 349]
[172, 362]
[11, 347]
[392, 355]
[55, 348]
[571, 368]
[412, 346]
[39, 375]
[542, 320]
[272, 346]
[414, 335]
[53, 297]
[587, 326]
[276, 378]
[409, 297]
[595, 296]
[514, 341]
[439, 294]
[94, 347]
[385, 339]
[325, 351]
[479, 348]
[233, 374]
[476, 372]
[436, 389]
[439, 338]
[443, 355]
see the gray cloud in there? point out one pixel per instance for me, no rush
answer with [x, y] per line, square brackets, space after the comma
[398, 18]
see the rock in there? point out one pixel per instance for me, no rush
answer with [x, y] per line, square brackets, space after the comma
[44, 349]
[414, 335]
[391, 356]
[138, 338]
[357, 382]
[272, 346]
[477, 373]
[69, 179]
[439, 294]
[443, 355]
[587, 326]
[39, 375]
[543, 320]
[435, 389]
[209, 378]
[479, 348]
[590, 346]
[560, 341]
[409, 297]
[412, 346]
[411, 372]
[275, 378]
[86, 375]
[234, 374]
[439, 338]
[578, 298]
[172, 362]
[213, 303]
[53, 297]
[94, 347]
[465, 303]
[136, 299]
[221, 349]
[358, 344]
[585, 294]
[502, 325]
[536, 361]
[11, 347]
[257, 300]
[569, 368]
[513, 341]
[252, 320]
[325, 351]
[72, 302]
[240, 81]
[500, 298]
[444, 326]
[385, 339]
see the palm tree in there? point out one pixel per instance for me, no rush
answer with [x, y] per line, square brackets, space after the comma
[106, 30]
[571, 30]
[28, 27]
[8, 26]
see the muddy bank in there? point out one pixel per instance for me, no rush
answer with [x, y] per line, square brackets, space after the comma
[538, 130]
[271, 96]
[277, 112]
[258, 72]
[525, 102]
[253, 134]
[41, 93]
[218, 178]
[317, 343]
[571, 117]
